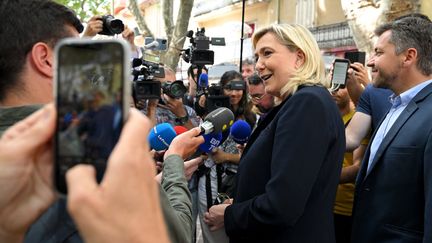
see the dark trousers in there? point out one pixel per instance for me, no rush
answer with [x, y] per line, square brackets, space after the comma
[343, 229]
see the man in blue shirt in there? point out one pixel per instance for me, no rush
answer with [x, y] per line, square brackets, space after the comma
[393, 199]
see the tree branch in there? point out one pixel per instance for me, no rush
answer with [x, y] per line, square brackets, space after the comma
[167, 13]
[134, 8]
[171, 58]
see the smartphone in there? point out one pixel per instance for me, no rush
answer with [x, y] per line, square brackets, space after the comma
[340, 69]
[356, 56]
[92, 93]
[159, 44]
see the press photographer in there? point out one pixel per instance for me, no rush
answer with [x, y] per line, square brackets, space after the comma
[103, 25]
[159, 95]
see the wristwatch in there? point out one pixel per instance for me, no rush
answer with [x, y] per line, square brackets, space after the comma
[182, 120]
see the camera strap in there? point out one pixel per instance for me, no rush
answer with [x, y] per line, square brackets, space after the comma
[208, 191]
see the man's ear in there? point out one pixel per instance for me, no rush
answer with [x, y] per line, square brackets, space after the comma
[410, 56]
[41, 58]
[300, 59]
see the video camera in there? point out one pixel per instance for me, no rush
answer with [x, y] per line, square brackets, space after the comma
[144, 85]
[198, 53]
[216, 98]
[111, 25]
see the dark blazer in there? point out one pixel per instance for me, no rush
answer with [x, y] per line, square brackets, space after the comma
[289, 172]
[393, 201]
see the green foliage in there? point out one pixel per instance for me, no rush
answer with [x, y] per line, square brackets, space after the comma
[87, 8]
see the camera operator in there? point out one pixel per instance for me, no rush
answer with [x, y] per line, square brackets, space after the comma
[190, 97]
[95, 26]
[170, 109]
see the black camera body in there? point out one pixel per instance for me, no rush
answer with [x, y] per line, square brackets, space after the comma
[111, 25]
[175, 89]
[216, 98]
[144, 86]
[199, 53]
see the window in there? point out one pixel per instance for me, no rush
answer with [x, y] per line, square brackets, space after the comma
[305, 12]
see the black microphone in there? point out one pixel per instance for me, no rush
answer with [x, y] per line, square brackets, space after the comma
[217, 121]
[136, 62]
[189, 33]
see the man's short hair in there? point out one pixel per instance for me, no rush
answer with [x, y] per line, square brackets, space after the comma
[25, 23]
[411, 32]
[248, 61]
[255, 79]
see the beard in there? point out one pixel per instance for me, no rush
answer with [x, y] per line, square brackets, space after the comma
[384, 79]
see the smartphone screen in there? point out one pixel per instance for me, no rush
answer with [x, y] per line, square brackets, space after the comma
[340, 69]
[90, 89]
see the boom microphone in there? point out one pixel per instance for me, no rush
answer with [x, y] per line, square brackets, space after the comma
[217, 121]
[161, 136]
[136, 62]
[240, 131]
[211, 141]
[203, 80]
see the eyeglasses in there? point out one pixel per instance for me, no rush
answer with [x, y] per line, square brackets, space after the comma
[256, 97]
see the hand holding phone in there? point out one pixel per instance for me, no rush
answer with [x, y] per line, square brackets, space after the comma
[92, 91]
[340, 71]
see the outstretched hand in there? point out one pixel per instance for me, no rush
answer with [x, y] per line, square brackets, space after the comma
[125, 207]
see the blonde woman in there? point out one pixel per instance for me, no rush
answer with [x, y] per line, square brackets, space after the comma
[289, 170]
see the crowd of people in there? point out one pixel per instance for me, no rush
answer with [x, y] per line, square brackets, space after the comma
[346, 165]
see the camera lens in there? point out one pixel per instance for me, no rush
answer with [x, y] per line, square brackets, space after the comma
[178, 89]
[116, 26]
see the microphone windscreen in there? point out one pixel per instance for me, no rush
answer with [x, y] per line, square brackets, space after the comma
[189, 33]
[180, 129]
[161, 136]
[222, 118]
[211, 141]
[240, 131]
[136, 62]
[203, 80]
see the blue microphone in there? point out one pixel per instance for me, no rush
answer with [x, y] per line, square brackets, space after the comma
[211, 141]
[161, 136]
[240, 131]
[203, 80]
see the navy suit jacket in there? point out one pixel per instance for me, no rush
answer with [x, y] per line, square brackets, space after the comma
[289, 172]
[393, 200]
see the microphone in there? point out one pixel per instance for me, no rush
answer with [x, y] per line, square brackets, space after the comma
[152, 44]
[240, 131]
[217, 121]
[136, 62]
[180, 129]
[203, 80]
[211, 141]
[189, 33]
[161, 136]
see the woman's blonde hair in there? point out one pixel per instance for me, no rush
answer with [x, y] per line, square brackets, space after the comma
[296, 37]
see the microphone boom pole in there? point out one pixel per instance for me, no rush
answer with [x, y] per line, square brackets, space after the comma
[242, 35]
